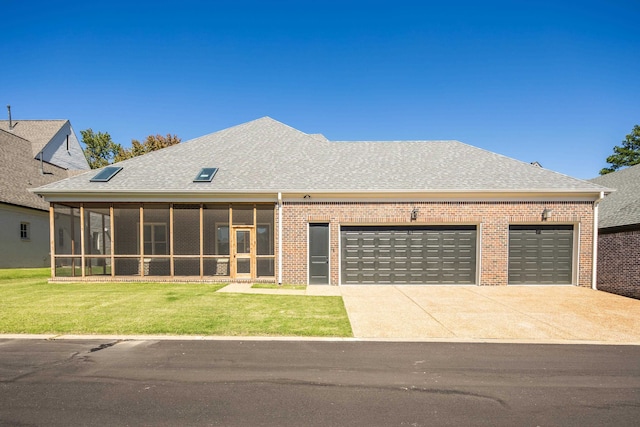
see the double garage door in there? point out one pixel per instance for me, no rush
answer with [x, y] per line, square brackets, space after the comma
[408, 255]
[538, 254]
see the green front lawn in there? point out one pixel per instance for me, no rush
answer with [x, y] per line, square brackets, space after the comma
[28, 304]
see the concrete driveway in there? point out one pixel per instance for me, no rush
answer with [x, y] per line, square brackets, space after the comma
[536, 314]
[513, 313]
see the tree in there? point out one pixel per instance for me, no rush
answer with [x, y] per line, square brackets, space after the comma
[626, 155]
[99, 150]
[151, 143]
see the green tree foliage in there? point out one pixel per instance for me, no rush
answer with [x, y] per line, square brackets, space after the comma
[99, 150]
[151, 143]
[626, 155]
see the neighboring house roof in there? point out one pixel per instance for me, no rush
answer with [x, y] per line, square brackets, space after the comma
[265, 155]
[21, 172]
[54, 140]
[38, 132]
[622, 207]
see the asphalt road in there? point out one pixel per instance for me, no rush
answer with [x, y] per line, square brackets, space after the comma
[311, 383]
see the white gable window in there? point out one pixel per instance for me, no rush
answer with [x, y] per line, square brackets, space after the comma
[25, 231]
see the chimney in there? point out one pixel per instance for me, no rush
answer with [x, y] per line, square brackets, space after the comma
[10, 122]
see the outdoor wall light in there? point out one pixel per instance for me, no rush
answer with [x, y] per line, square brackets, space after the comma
[414, 214]
[546, 214]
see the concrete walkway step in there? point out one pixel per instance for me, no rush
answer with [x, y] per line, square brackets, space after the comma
[312, 290]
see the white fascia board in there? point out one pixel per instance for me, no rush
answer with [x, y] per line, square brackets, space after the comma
[145, 196]
[317, 196]
[443, 196]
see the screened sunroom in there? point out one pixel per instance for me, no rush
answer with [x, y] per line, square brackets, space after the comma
[163, 241]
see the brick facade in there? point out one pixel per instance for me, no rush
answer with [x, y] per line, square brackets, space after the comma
[619, 263]
[491, 218]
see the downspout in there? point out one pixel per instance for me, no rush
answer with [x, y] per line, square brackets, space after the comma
[594, 275]
[279, 238]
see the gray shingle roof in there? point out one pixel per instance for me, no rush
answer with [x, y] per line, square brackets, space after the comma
[621, 207]
[266, 155]
[38, 132]
[21, 172]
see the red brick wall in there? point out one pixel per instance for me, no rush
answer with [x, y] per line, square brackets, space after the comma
[492, 218]
[619, 263]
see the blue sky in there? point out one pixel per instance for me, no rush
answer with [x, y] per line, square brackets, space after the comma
[550, 81]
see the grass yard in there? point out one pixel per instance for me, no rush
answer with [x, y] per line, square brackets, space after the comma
[29, 304]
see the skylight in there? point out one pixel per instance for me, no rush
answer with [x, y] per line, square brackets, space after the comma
[106, 174]
[205, 175]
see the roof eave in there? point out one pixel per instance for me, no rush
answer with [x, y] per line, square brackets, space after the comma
[53, 195]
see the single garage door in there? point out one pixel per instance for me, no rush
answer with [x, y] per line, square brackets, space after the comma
[540, 255]
[408, 255]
